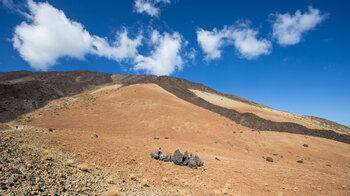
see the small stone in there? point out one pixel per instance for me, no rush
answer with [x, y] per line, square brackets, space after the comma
[16, 171]
[4, 187]
[269, 159]
[95, 136]
[217, 159]
[305, 145]
[50, 130]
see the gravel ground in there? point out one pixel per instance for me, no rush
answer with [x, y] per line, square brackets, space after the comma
[26, 170]
[29, 168]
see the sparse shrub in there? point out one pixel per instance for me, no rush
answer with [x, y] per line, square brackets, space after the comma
[69, 162]
[183, 193]
[110, 180]
[234, 132]
[275, 154]
[113, 191]
[48, 157]
[83, 167]
[263, 157]
[27, 146]
[46, 152]
[144, 182]
[225, 191]
[166, 138]
[300, 161]
[156, 138]
[132, 177]
[329, 165]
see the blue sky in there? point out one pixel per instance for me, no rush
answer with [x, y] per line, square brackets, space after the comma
[289, 55]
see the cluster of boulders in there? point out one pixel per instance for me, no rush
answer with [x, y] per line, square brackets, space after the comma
[186, 159]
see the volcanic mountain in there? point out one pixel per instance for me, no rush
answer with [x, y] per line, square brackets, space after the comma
[112, 122]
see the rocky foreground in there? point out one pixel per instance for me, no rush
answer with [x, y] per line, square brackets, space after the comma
[29, 169]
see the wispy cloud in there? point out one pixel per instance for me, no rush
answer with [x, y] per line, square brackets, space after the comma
[149, 6]
[289, 29]
[18, 8]
[240, 35]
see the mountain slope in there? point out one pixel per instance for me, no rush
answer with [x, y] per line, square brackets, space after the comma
[133, 120]
[26, 91]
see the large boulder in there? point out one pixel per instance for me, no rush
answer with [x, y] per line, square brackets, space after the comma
[187, 157]
[193, 161]
[178, 158]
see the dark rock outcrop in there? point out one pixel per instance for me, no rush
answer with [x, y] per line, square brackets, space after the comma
[187, 159]
[24, 91]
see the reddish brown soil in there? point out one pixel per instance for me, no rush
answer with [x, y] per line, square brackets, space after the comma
[127, 120]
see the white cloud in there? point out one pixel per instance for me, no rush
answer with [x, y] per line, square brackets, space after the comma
[210, 42]
[247, 44]
[149, 6]
[49, 35]
[289, 29]
[165, 58]
[240, 35]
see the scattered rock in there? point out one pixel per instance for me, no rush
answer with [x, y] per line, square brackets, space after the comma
[269, 159]
[95, 136]
[50, 130]
[305, 145]
[217, 159]
[300, 161]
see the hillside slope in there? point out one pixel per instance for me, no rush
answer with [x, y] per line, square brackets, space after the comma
[133, 120]
[23, 92]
